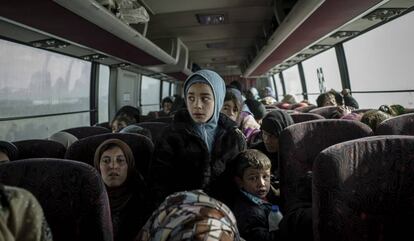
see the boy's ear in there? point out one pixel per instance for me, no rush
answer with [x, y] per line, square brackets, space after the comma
[238, 181]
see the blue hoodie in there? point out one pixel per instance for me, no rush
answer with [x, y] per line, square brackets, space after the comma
[208, 130]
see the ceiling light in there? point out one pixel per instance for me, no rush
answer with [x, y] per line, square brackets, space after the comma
[344, 34]
[210, 19]
[49, 44]
[383, 13]
[94, 57]
[317, 47]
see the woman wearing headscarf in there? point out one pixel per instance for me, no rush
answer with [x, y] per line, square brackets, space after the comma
[190, 216]
[126, 189]
[21, 216]
[272, 125]
[197, 146]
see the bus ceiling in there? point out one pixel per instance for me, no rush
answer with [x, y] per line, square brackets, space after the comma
[246, 38]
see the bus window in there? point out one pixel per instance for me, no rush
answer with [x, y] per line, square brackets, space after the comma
[292, 82]
[278, 86]
[150, 94]
[103, 92]
[36, 84]
[165, 89]
[381, 60]
[327, 66]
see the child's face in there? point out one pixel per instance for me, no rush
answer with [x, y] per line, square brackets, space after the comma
[271, 141]
[118, 126]
[230, 110]
[200, 102]
[256, 181]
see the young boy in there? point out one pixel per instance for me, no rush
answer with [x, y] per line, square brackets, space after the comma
[256, 197]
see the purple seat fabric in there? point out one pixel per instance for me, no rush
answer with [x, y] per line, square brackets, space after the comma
[399, 125]
[300, 143]
[39, 148]
[72, 195]
[142, 148]
[86, 131]
[361, 111]
[326, 111]
[156, 128]
[302, 117]
[363, 190]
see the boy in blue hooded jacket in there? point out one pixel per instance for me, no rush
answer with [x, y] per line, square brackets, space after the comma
[195, 149]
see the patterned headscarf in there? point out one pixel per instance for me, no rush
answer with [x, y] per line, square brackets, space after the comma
[191, 216]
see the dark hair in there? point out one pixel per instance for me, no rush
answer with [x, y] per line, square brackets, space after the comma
[236, 84]
[130, 112]
[231, 96]
[166, 100]
[322, 97]
[250, 158]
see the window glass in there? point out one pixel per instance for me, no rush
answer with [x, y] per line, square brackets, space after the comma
[103, 92]
[292, 82]
[165, 89]
[39, 82]
[381, 59]
[42, 127]
[375, 100]
[150, 94]
[173, 86]
[322, 72]
[278, 86]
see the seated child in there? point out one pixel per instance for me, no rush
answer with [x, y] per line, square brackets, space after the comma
[256, 196]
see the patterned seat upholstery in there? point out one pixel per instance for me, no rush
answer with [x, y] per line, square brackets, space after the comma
[302, 117]
[86, 131]
[399, 125]
[155, 128]
[38, 148]
[72, 195]
[363, 190]
[300, 143]
[326, 111]
[142, 148]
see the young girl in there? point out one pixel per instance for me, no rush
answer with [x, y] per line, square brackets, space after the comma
[197, 146]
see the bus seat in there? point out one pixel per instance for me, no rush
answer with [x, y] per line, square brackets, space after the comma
[85, 131]
[301, 143]
[302, 117]
[399, 125]
[156, 128]
[306, 109]
[166, 119]
[72, 195]
[40, 148]
[363, 190]
[104, 124]
[361, 111]
[142, 148]
[325, 111]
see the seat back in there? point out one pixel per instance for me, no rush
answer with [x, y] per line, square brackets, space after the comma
[86, 131]
[72, 195]
[156, 128]
[399, 125]
[363, 190]
[325, 111]
[38, 148]
[361, 111]
[302, 117]
[142, 148]
[300, 143]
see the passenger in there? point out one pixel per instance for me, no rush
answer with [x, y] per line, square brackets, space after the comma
[257, 109]
[272, 125]
[131, 113]
[128, 197]
[373, 118]
[197, 146]
[167, 104]
[232, 109]
[338, 97]
[290, 99]
[21, 216]
[252, 94]
[65, 138]
[256, 197]
[190, 216]
[326, 99]
[349, 100]
[393, 110]
[8, 151]
[119, 123]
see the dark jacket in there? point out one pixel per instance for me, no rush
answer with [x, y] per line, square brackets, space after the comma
[252, 219]
[351, 101]
[182, 160]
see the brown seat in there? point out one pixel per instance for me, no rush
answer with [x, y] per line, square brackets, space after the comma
[399, 125]
[72, 195]
[301, 143]
[363, 190]
[302, 117]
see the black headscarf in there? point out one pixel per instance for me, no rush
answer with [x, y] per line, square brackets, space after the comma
[275, 121]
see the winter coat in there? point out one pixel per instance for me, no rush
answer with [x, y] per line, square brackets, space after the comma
[182, 160]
